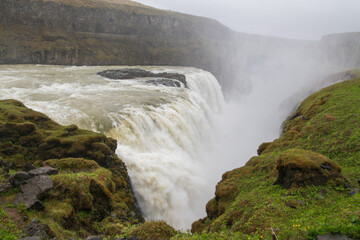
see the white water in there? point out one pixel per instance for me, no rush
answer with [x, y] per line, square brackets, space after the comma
[163, 132]
[176, 142]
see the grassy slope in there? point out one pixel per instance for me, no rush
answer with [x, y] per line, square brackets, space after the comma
[247, 204]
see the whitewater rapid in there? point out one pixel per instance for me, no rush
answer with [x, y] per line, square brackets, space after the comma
[164, 134]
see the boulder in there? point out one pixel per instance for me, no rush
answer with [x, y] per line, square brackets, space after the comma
[19, 178]
[30, 192]
[297, 167]
[43, 171]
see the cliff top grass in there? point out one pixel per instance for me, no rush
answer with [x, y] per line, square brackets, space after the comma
[321, 140]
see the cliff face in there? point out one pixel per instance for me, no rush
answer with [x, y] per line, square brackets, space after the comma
[106, 33]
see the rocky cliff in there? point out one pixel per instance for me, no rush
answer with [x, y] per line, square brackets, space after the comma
[108, 33]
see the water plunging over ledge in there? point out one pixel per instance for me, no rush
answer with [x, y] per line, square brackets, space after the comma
[163, 132]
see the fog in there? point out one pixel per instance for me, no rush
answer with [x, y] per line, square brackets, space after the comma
[306, 19]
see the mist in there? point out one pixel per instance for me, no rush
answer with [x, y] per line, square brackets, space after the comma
[305, 19]
[273, 76]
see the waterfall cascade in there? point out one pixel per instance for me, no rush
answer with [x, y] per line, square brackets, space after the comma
[163, 133]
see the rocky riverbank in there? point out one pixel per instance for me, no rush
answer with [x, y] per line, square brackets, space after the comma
[69, 179]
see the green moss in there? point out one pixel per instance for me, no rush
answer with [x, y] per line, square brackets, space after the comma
[152, 230]
[92, 181]
[8, 230]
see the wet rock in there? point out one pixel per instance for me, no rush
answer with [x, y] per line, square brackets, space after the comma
[34, 189]
[330, 236]
[298, 167]
[165, 82]
[43, 171]
[5, 186]
[131, 73]
[19, 178]
[37, 229]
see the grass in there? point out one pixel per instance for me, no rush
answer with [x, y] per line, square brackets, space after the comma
[323, 130]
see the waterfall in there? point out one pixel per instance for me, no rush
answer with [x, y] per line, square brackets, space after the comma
[163, 133]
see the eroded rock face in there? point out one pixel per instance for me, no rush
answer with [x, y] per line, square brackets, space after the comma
[169, 79]
[298, 167]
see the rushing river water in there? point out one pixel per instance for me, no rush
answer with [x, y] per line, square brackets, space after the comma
[163, 133]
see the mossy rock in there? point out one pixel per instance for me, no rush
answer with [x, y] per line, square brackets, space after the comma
[92, 181]
[153, 230]
[299, 167]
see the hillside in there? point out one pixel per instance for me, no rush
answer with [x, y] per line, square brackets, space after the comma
[304, 184]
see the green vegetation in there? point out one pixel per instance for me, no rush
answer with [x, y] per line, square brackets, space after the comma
[321, 140]
[8, 230]
[91, 191]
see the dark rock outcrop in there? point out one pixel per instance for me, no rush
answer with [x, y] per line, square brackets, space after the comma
[169, 79]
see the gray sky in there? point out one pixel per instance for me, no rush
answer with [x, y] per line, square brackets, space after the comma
[309, 19]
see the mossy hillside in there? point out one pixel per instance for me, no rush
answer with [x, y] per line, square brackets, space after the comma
[92, 190]
[324, 129]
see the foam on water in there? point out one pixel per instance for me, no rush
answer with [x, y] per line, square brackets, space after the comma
[162, 132]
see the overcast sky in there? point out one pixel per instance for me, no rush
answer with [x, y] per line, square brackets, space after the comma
[306, 19]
